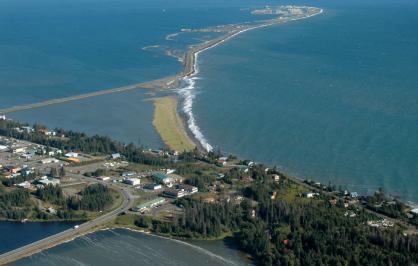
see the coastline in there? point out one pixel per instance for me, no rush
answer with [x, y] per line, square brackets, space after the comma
[190, 70]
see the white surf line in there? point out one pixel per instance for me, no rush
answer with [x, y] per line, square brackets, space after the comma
[205, 251]
[187, 91]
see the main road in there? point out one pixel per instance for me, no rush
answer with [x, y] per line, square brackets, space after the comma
[59, 238]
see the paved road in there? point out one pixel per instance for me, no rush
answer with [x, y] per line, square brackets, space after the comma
[68, 234]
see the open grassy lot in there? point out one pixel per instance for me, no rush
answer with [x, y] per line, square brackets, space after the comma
[169, 125]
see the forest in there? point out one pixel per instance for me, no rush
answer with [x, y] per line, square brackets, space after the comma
[281, 232]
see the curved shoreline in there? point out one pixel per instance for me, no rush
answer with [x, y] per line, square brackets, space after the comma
[191, 70]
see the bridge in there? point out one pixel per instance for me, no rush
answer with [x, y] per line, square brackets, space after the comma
[68, 234]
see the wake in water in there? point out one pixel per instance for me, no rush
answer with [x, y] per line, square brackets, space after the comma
[188, 94]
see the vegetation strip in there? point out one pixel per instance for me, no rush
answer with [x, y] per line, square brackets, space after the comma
[169, 124]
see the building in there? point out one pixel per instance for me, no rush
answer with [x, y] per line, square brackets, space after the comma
[103, 178]
[73, 160]
[49, 160]
[354, 195]
[3, 148]
[25, 184]
[152, 186]
[276, 178]
[27, 171]
[415, 211]
[27, 129]
[149, 204]
[19, 150]
[2, 117]
[44, 131]
[49, 181]
[308, 194]
[132, 181]
[115, 155]
[128, 174]
[187, 188]
[220, 162]
[162, 178]
[174, 193]
[71, 155]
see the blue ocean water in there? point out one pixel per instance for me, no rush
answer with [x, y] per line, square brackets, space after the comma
[15, 235]
[126, 117]
[51, 49]
[332, 98]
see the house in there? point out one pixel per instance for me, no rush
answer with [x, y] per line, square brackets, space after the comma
[152, 186]
[174, 193]
[415, 211]
[43, 130]
[162, 178]
[103, 178]
[250, 163]
[354, 195]
[27, 129]
[51, 210]
[187, 188]
[308, 194]
[26, 172]
[220, 162]
[2, 117]
[132, 181]
[276, 178]
[115, 155]
[71, 155]
[13, 169]
[273, 195]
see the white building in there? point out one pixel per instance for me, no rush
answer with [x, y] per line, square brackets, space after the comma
[52, 181]
[19, 150]
[25, 184]
[3, 148]
[132, 181]
[103, 178]
[49, 160]
[71, 155]
[2, 117]
[115, 155]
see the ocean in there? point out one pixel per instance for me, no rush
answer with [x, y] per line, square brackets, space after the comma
[332, 98]
[14, 235]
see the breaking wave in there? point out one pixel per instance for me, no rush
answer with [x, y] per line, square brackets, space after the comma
[188, 94]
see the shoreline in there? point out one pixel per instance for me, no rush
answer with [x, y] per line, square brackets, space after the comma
[191, 70]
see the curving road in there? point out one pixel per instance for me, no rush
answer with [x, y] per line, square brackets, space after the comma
[68, 234]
